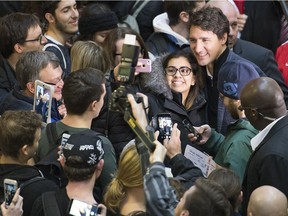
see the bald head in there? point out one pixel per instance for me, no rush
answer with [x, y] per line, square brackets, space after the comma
[224, 5]
[267, 201]
[264, 96]
[231, 13]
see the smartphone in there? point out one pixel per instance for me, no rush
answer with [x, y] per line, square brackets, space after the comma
[10, 187]
[164, 121]
[79, 208]
[187, 124]
[43, 100]
[129, 59]
[145, 66]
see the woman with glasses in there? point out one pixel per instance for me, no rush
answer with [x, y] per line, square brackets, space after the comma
[174, 87]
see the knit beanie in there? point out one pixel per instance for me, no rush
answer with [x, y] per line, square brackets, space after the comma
[97, 22]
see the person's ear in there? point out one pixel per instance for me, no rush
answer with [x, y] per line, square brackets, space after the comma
[184, 213]
[25, 150]
[254, 114]
[224, 39]
[49, 17]
[94, 105]
[62, 160]
[184, 16]
[99, 167]
[18, 48]
[193, 80]
[31, 87]
[240, 197]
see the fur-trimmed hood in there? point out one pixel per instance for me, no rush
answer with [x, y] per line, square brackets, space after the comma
[156, 80]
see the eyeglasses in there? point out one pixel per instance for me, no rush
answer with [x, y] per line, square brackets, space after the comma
[241, 108]
[58, 80]
[184, 71]
[39, 38]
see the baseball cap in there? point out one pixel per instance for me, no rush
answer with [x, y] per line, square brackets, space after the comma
[233, 76]
[86, 145]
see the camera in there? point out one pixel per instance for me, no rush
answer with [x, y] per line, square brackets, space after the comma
[129, 59]
[126, 74]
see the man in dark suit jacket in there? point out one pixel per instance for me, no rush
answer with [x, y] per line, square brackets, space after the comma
[264, 106]
[264, 17]
[262, 57]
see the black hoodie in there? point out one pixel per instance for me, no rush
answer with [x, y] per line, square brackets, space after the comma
[23, 173]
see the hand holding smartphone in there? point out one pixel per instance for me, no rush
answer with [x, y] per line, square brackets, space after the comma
[10, 187]
[191, 129]
[43, 100]
[164, 121]
[143, 66]
[79, 208]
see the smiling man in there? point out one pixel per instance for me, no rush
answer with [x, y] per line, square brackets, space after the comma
[62, 19]
[209, 31]
[19, 33]
[45, 68]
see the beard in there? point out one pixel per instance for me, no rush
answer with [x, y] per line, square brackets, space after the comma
[64, 28]
[233, 110]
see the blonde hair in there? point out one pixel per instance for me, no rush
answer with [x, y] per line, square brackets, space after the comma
[128, 175]
[89, 54]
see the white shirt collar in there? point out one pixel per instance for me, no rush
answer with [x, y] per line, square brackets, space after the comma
[53, 39]
[255, 141]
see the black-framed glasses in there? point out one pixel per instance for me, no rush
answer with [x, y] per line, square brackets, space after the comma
[241, 108]
[58, 80]
[184, 70]
[39, 38]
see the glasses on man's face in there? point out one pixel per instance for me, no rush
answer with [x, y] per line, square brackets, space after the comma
[58, 80]
[184, 71]
[241, 108]
[39, 38]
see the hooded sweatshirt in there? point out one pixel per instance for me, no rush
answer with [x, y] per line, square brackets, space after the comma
[23, 173]
[164, 39]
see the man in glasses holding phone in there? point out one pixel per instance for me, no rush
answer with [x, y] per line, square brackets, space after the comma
[19, 33]
[35, 65]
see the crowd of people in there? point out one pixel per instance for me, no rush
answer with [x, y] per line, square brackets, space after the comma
[100, 151]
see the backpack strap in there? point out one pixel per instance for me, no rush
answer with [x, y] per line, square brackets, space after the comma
[137, 7]
[53, 45]
[51, 133]
[50, 206]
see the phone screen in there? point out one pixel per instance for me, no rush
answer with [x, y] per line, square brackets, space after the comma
[43, 100]
[79, 208]
[165, 125]
[10, 187]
